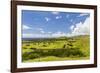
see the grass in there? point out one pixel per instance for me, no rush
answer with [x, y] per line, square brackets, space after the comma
[53, 58]
[45, 45]
[56, 49]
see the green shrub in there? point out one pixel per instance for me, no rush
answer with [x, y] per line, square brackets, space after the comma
[34, 55]
[71, 52]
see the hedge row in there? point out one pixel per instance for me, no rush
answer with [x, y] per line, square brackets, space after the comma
[37, 53]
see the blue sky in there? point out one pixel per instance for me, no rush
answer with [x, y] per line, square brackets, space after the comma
[53, 24]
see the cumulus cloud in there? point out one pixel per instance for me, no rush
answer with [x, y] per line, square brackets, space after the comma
[42, 31]
[55, 13]
[81, 28]
[47, 19]
[76, 29]
[45, 35]
[58, 17]
[26, 27]
[72, 27]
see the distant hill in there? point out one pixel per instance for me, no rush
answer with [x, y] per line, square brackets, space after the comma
[63, 37]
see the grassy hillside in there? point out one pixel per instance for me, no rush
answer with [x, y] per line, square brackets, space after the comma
[56, 49]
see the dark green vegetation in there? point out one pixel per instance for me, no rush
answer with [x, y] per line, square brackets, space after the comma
[56, 49]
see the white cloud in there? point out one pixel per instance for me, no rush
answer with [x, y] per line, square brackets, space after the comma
[83, 14]
[26, 27]
[45, 35]
[39, 29]
[31, 35]
[49, 32]
[27, 35]
[55, 13]
[58, 34]
[58, 17]
[77, 29]
[47, 19]
[42, 31]
[81, 28]
[72, 27]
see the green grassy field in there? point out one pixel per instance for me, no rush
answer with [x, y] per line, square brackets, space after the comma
[56, 49]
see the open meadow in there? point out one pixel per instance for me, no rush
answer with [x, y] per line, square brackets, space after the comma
[56, 49]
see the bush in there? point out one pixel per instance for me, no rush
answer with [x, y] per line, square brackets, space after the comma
[34, 55]
[71, 52]
[31, 55]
